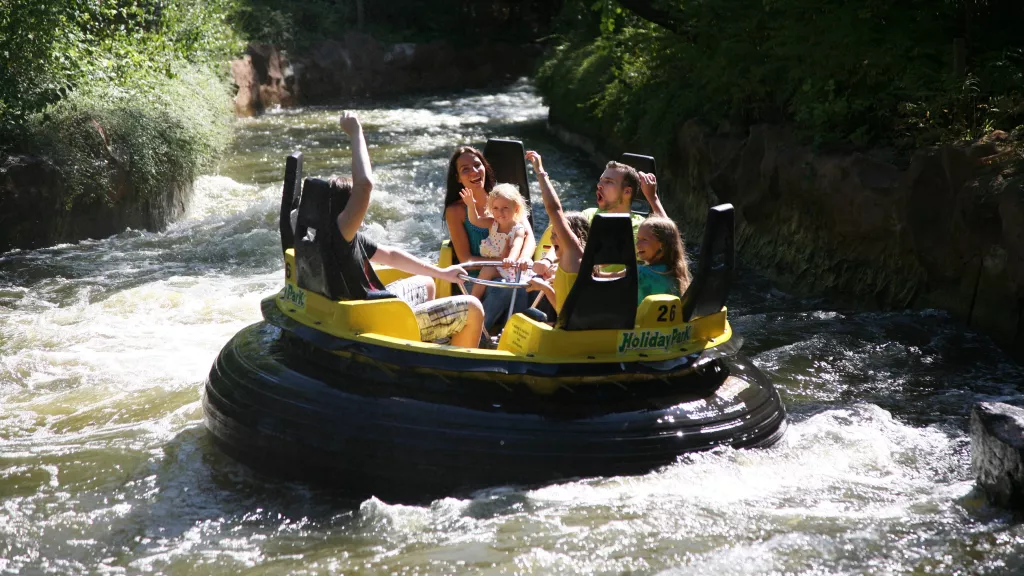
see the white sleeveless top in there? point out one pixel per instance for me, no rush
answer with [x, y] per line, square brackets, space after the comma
[497, 244]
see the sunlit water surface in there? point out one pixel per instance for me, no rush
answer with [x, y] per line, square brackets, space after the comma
[105, 466]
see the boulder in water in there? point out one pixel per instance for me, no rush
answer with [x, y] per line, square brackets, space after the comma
[997, 452]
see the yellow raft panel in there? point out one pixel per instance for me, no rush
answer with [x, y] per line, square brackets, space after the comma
[659, 332]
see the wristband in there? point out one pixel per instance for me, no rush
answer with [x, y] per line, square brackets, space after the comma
[541, 173]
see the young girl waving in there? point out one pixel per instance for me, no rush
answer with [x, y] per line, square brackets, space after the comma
[660, 246]
[508, 229]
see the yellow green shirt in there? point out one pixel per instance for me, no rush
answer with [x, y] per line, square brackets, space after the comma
[635, 219]
[562, 284]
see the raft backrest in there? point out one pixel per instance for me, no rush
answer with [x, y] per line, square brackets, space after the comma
[315, 267]
[606, 303]
[642, 164]
[290, 198]
[713, 277]
[508, 160]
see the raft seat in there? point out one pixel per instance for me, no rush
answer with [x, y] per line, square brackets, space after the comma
[604, 303]
[712, 278]
[317, 271]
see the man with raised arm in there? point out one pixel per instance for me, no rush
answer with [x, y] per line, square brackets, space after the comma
[615, 192]
[459, 318]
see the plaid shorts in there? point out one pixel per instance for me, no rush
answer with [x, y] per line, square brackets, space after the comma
[437, 319]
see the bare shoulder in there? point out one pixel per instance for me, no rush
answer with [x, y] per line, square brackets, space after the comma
[456, 211]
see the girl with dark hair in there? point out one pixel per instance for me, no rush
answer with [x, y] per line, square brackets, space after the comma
[469, 170]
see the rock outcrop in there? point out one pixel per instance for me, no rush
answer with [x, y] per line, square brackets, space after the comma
[359, 67]
[997, 452]
[34, 210]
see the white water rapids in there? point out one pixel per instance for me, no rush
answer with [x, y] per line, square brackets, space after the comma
[106, 468]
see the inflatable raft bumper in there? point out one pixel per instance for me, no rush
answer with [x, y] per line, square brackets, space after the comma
[343, 393]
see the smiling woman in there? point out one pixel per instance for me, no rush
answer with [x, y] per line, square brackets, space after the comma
[469, 170]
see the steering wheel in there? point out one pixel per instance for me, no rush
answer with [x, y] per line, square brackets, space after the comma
[493, 283]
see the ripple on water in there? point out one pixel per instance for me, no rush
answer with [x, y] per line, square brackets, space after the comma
[105, 466]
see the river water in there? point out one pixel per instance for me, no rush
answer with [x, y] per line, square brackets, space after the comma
[105, 466]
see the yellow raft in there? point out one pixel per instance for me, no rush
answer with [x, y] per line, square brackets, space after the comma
[344, 393]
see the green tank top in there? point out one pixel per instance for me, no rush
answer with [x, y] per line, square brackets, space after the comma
[654, 279]
[476, 235]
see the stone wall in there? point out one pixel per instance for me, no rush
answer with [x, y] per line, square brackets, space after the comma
[34, 211]
[359, 67]
[942, 229]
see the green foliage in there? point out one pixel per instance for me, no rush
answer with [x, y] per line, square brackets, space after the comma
[301, 25]
[855, 72]
[117, 89]
[53, 47]
[161, 135]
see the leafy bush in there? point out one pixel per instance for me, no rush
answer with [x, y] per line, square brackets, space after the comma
[855, 72]
[123, 85]
[52, 48]
[162, 135]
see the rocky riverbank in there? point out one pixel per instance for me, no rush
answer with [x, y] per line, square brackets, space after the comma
[358, 67]
[34, 211]
[941, 229]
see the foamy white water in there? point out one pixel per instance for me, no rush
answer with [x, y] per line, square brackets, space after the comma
[105, 466]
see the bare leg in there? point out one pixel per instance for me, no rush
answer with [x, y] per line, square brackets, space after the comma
[488, 273]
[469, 336]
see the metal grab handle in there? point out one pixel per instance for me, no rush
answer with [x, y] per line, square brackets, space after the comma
[480, 264]
[495, 283]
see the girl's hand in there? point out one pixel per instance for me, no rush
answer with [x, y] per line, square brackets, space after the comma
[525, 263]
[467, 197]
[541, 267]
[534, 159]
[507, 263]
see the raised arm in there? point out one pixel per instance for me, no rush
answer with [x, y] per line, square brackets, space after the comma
[351, 218]
[471, 210]
[572, 249]
[649, 186]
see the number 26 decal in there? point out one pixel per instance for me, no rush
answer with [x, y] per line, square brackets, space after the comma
[667, 313]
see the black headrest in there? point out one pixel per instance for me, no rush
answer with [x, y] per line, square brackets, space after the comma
[604, 304]
[712, 279]
[508, 160]
[290, 197]
[315, 228]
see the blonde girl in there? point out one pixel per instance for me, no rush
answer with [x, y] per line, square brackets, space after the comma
[664, 271]
[508, 229]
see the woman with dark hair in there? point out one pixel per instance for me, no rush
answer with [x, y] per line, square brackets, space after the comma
[469, 170]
